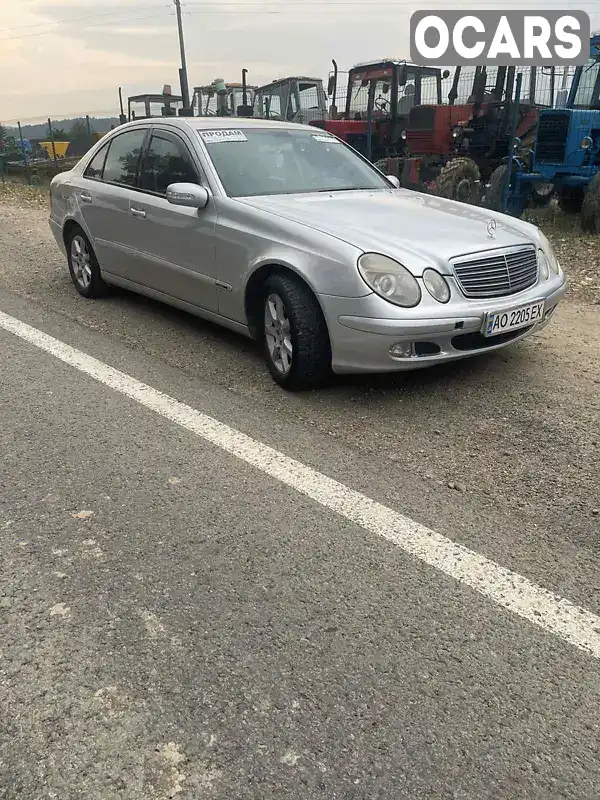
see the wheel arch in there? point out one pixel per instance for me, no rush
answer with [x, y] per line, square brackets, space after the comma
[68, 226]
[253, 295]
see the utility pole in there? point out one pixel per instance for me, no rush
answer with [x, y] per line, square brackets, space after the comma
[183, 78]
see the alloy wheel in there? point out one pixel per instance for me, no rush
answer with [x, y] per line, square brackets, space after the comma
[278, 334]
[81, 261]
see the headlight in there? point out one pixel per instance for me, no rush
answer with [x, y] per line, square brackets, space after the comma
[551, 258]
[403, 135]
[586, 143]
[389, 279]
[456, 132]
[543, 265]
[436, 285]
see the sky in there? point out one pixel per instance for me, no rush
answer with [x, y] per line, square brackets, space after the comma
[67, 58]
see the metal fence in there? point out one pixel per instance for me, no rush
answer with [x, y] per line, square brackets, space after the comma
[543, 87]
[491, 116]
[37, 157]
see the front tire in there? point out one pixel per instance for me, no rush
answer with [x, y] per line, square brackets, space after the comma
[590, 209]
[494, 198]
[83, 265]
[541, 194]
[494, 194]
[296, 339]
[460, 180]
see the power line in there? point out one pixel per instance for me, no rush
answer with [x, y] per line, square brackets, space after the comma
[76, 19]
[57, 31]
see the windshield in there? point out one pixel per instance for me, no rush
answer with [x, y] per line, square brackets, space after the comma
[588, 88]
[265, 162]
[359, 99]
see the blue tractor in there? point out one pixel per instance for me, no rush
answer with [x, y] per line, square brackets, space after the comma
[565, 156]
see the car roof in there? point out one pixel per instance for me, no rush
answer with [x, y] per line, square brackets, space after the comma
[216, 123]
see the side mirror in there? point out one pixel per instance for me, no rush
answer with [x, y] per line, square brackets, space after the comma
[393, 179]
[189, 195]
[445, 74]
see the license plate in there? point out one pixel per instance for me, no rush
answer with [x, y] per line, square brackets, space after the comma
[497, 322]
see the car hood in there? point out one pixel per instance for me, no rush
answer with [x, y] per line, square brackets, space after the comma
[418, 229]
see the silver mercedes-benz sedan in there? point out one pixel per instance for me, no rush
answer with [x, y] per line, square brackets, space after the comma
[285, 234]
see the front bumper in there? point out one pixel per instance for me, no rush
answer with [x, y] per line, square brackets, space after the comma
[363, 330]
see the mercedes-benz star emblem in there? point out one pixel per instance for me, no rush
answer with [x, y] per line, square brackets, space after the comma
[491, 228]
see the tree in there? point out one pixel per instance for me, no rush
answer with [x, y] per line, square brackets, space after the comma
[3, 133]
[60, 135]
[79, 129]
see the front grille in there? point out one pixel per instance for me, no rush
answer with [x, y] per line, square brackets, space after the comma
[553, 130]
[497, 274]
[420, 142]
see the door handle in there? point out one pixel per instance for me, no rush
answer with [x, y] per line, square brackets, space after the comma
[85, 197]
[138, 212]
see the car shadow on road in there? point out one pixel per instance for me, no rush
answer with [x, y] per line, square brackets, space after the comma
[470, 374]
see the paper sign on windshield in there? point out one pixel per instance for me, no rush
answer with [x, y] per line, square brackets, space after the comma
[223, 136]
[322, 138]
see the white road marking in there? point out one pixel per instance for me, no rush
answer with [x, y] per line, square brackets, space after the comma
[508, 589]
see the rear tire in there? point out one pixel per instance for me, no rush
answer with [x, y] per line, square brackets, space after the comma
[460, 180]
[83, 265]
[295, 335]
[590, 209]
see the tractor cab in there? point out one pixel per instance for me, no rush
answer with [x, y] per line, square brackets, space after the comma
[453, 148]
[384, 92]
[145, 106]
[222, 99]
[392, 88]
[567, 149]
[296, 99]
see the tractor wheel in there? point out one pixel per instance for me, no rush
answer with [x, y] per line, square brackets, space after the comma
[460, 180]
[571, 202]
[493, 196]
[541, 194]
[590, 209]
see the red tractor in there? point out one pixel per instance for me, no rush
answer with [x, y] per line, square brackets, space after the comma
[452, 150]
[383, 92]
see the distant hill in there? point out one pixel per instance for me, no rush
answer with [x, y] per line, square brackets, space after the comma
[100, 125]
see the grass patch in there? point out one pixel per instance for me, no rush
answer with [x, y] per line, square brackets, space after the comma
[18, 193]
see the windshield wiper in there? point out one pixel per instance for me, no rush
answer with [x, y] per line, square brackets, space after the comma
[351, 189]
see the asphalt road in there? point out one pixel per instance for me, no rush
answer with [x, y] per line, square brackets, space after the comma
[177, 623]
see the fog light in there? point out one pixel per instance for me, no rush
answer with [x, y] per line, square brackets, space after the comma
[401, 350]
[586, 143]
